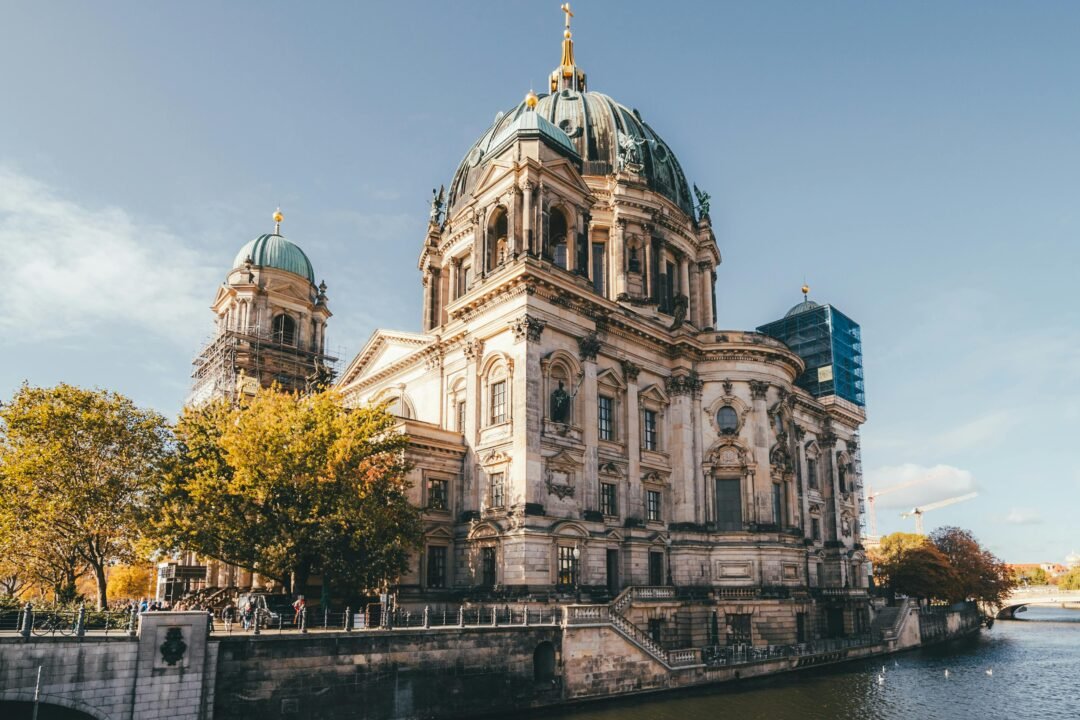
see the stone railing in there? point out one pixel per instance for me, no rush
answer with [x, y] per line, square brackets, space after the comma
[653, 592]
[737, 593]
[840, 592]
[586, 615]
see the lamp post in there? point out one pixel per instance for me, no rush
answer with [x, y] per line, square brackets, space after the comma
[577, 579]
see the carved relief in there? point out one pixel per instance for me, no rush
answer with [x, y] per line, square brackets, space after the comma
[688, 384]
[474, 349]
[527, 327]
[758, 389]
[630, 370]
[589, 346]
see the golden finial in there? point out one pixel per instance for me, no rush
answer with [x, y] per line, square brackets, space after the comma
[531, 100]
[805, 291]
[278, 217]
[568, 44]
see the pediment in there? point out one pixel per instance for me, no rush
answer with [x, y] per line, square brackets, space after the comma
[564, 459]
[383, 349]
[607, 376]
[492, 174]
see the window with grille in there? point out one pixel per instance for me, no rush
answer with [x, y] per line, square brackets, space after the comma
[811, 473]
[607, 499]
[437, 494]
[606, 417]
[436, 566]
[652, 506]
[567, 566]
[461, 416]
[497, 489]
[649, 430]
[778, 503]
[498, 402]
[815, 528]
[487, 565]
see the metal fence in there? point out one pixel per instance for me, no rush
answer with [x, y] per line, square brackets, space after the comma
[722, 655]
[30, 622]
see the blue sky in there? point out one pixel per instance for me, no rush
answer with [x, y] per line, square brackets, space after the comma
[918, 163]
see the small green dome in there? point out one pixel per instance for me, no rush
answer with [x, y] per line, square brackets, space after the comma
[275, 251]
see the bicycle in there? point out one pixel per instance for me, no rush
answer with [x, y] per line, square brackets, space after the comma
[52, 623]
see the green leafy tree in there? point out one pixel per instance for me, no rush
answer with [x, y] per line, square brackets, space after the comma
[981, 576]
[75, 467]
[287, 486]
[1031, 576]
[1070, 580]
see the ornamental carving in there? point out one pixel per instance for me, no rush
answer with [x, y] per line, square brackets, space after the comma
[688, 384]
[474, 349]
[527, 327]
[174, 647]
[561, 490]
[729, 387]
[630, 370]
[589, 346]
[758, 389]
[433, 358]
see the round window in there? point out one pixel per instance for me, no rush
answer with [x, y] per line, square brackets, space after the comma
[728, 420]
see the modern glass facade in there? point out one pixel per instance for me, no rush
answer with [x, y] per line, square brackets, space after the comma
[831, 345]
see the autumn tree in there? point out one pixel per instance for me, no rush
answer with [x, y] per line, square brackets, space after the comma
[288, 486]
[981, 576]
[75, 467]
[909, 564]
[1070, 580]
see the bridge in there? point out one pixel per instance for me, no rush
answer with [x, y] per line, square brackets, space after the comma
[1046, 595]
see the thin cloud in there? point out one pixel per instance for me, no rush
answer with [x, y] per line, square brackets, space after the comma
[1023, 516]
[910, 485]
[70, 271]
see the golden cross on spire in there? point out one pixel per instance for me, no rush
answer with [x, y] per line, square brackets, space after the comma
[569, 14]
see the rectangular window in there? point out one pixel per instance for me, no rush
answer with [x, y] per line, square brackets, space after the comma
[811, 473]
[652, 505]
[436, 566]
[496, 496]
[656, 568]
[607, 499]
[567, 567]
[649, 435]
[739, 629]
[778, 503]
[606, 417]
[464, 279]
[656, 630]
[598, 270]
[729, 504]
[437, 493]
[498, 402]
[487, 565]
[815, 529]
[461, 416]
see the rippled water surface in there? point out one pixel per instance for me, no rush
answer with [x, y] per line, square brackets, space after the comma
[1036, 674]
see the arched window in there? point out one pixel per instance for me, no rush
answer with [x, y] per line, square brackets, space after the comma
[497, 237]
[284, 330]
[558, 235]
[727, 419]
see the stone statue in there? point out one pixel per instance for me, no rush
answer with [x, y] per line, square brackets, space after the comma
[702, 201]
[560, 404]
[630, 152]
[438, 199]
[681, 305]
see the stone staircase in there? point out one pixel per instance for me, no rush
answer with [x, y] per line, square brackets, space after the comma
[669, 658]
[889, 620]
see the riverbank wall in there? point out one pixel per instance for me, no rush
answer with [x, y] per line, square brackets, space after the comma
[174, 669]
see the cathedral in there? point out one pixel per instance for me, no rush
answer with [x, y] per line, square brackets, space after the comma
[578, 422]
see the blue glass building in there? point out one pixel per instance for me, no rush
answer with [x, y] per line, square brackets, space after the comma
[831, 345]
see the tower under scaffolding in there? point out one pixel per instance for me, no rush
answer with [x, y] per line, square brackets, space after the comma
[239, 362]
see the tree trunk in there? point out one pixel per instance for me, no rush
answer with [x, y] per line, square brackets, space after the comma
[102, 587]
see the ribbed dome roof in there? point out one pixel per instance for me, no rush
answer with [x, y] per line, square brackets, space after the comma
[802, 307]
[592, 121]
[274, 251]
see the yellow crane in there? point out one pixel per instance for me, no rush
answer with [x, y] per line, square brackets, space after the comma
[917, 513]
[872, 495]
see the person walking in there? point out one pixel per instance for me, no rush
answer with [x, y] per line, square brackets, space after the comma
[228, 615]
[298, 606]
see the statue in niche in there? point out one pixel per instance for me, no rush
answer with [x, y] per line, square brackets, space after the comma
[560, 404]
[634, 263]
[681, 305]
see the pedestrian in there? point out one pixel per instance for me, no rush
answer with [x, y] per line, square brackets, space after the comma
[248, 615]
[298, 606]
[228, 614]
[144, 605]
[210, 619]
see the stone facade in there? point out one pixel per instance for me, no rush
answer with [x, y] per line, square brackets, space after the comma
[605, 433]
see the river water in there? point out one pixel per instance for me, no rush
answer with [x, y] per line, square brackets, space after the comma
[1036, 674]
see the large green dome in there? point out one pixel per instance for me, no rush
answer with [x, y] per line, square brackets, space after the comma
[274, 251]
[593, 123]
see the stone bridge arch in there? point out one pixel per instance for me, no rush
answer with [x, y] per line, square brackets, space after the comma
[52, 707]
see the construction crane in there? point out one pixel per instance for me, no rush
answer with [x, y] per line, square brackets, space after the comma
[871, 496]
[917, 513]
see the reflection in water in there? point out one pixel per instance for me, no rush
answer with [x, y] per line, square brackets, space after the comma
[1035, 663]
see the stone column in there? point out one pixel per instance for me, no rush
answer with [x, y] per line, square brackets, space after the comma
[474, 352]
[684, 278]
[510, 199]
[618, 258]
[700, 491]
[527, 217]
[526, 410]
[762, 505]
[589, 347]
[634, 506]
[684, 496]
[706, 310]
[425, 320]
